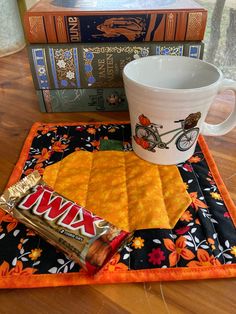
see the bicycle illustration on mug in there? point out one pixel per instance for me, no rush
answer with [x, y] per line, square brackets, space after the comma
[147, 134]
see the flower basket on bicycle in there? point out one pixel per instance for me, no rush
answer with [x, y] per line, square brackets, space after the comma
[191, 120]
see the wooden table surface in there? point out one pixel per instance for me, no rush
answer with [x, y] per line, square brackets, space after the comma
[18, 110]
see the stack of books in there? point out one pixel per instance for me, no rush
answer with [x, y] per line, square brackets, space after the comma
[78, 48]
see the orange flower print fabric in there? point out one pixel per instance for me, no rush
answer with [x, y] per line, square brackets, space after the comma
[196, 202]
[45, 155]
[178, 250]
[11, 222]
[138, 243]
[115, 265]
[35, 254]
[5, 269]
[204, 259]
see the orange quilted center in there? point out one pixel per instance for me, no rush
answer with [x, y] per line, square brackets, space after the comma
[122, 188]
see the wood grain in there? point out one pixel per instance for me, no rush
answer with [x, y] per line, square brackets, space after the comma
[18, 110]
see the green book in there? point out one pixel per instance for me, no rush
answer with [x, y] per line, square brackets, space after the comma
[78, 100]
[71, 66]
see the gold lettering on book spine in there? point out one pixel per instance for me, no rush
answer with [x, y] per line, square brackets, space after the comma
[60, 29]
[60, 22]
[37, 31]
[170, 26]
[194, 27]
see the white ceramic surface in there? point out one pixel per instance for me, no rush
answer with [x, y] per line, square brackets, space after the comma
[169, 98]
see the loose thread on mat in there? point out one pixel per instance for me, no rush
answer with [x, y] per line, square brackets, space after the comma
[163, 299]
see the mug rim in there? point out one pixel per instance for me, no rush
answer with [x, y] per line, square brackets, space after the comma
[172, 90]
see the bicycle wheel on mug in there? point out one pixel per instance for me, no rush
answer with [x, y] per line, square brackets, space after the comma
[147, 134]
[187, 139]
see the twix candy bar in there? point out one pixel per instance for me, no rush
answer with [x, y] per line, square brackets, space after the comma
[86, 238]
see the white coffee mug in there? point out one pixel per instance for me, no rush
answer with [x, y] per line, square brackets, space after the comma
[169, 98]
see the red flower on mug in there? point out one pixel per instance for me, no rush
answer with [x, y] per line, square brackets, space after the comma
[144, 120]
[142, 142]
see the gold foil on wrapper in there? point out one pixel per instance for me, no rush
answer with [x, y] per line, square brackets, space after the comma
[86, 238]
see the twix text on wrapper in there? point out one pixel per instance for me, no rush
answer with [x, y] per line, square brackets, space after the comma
[86, 238]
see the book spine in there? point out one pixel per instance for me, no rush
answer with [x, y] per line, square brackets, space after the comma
[182, 19]
[170, 27]
[161, 26]
[35, 29]
[79, 100]
[39, 68]
[96, 66]
[196, 25]
[61, 29]
[40, 97]
[50, 29]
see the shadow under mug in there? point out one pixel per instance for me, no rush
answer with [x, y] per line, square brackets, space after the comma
[169, 98]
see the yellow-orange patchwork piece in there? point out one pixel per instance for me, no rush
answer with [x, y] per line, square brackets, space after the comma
[122, 188]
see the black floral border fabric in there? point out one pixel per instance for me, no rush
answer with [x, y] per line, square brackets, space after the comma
[204, 235]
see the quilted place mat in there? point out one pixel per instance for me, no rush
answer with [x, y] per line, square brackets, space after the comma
[201, 245]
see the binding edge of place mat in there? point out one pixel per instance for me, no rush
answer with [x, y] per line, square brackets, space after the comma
[151, 275]
[130, 276]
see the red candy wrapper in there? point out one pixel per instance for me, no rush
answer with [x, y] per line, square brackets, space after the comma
[86, 238]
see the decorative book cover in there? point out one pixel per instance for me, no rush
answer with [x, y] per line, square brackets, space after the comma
[57, 21]
[78, 100]
[70, 66]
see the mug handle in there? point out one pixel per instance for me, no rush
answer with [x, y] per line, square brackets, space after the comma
[230, 122]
